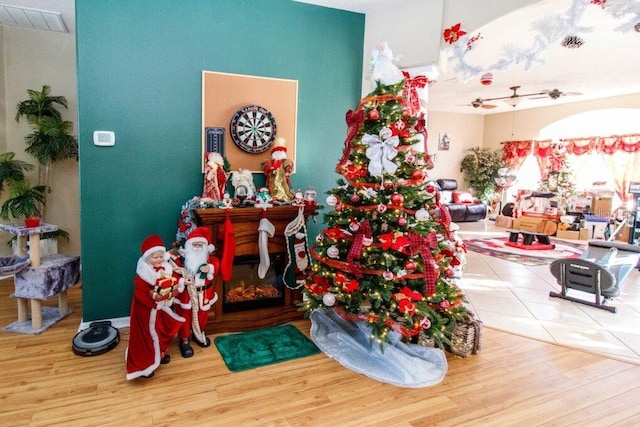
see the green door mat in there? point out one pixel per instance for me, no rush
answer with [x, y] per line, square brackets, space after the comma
[263, 347]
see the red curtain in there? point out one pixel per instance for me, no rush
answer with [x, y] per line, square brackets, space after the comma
[621, 153]
[622, 156]
[514, 153]
[542, 151]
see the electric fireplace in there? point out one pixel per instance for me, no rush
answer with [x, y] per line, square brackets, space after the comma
[243, 302]
[247, 291]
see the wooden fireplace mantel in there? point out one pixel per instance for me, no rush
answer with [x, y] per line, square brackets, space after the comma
[245, 223]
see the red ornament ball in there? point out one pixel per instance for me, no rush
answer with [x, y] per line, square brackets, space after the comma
[355, 198]
[417, 175]
[397, 199]
[486, 79]
[374, 114]
[410, 266]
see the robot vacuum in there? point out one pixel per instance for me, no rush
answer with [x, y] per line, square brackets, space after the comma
[98, 338]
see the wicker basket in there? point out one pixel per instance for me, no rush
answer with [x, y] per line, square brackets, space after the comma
[466, 338]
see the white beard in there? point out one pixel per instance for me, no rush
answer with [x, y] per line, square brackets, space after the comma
[194, 259]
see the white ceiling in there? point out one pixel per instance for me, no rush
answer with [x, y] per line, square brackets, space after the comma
[607, 64]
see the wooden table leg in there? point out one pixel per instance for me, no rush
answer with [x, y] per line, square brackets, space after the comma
[63, 302]
[36, 314]
[23, 309]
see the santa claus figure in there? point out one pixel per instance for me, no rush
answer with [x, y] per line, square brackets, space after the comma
[277, 171]
[197, 267]
[215, 178]
[153, 324]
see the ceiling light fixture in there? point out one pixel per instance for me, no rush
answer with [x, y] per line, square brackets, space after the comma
[513, 101]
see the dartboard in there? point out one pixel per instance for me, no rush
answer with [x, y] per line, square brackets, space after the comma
[253, 129]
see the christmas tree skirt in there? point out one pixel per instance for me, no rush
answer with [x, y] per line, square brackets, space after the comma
[397, 363]
[248, 350]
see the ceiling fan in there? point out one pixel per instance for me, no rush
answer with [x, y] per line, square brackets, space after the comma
[514, 98]
[479, 103]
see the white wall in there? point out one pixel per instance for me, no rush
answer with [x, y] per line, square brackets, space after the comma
[526, 124]
[465, 131]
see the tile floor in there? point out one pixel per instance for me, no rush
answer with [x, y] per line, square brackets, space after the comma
[515, 298]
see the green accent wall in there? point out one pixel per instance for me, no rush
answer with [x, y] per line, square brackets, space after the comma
[139, 74]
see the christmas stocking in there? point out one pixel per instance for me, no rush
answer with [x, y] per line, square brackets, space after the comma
[298, 263]
[228, 250]
[265, 230]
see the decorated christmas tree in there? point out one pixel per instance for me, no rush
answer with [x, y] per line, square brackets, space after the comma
[389, 255]
[558, 177]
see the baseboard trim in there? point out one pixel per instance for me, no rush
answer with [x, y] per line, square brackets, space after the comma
[118, 322]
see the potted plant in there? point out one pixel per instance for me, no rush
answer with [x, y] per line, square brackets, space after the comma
[479, 167]
[25, 201]
[51, 139]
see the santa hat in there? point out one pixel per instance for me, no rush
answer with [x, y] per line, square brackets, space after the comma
[151, 245]
[280, 144]
[201, 235]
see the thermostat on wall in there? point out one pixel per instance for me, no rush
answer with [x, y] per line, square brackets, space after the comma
[104, 138]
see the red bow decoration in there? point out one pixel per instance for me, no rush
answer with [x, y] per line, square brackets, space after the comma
[410, 91]
[423, 245]
[354, 120]
[355, 252]
[336, 233]
[451, 35]
[393, 240]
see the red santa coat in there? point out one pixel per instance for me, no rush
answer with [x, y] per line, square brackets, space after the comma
[206, 297]
[153, 325]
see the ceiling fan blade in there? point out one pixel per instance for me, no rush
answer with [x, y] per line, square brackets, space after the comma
[488, 106]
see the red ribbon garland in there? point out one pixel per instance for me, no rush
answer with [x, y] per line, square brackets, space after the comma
[410, 91]
[354, 120]
[423, 245]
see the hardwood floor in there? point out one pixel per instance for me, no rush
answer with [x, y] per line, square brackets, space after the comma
[512, 381]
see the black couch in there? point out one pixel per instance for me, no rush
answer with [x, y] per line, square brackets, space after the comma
[460, 212]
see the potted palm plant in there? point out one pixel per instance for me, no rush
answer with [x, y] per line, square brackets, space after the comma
[51, 139]
[25, 201]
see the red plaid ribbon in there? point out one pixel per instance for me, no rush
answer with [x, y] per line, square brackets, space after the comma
[355, 252]
[410, 91]
[423, 245]
[354, 120]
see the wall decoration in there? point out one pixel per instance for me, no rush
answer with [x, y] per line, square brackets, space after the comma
[253, 129]
[224, 95]
[443, 142]
[214, 140]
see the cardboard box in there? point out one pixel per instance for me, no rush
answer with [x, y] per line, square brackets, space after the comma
[528, 223]
[579, 201]
[624, 234]
[566, 234]
[595, 229]
[583, 234]
[535, 225]
[602, 205]
[504, 221]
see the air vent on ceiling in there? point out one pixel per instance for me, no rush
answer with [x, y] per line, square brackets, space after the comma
[31, 18]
